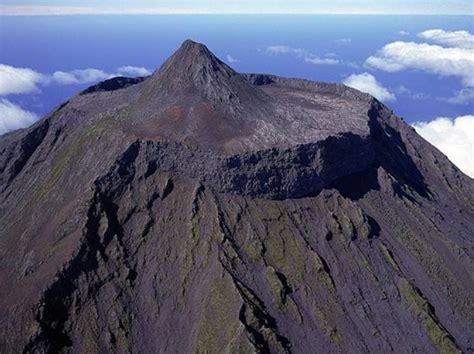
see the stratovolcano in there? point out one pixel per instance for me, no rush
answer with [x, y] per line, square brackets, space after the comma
[204, 210]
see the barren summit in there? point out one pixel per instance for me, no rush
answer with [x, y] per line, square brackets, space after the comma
[195, 97]
[204, 210]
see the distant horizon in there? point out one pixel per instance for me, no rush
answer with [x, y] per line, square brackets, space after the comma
[3, 14]
[60, 10]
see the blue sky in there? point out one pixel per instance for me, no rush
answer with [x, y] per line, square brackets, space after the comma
[37, 7]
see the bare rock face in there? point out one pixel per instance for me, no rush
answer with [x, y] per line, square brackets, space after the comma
[203, 210]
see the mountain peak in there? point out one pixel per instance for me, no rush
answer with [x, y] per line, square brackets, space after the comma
[194, 63]
[194, 70]
[196, 48]
[198, 53]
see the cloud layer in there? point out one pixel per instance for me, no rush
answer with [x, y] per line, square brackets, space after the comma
[23, 80]
[19, 80]
[453, 137]
[75, 77]
[367, 83]
[88, 76]
[133, 71]
[460, 39]
[15, 80]
[434, 59]
[301, 53]
[456, 58]
[464, 96]
[14, 117]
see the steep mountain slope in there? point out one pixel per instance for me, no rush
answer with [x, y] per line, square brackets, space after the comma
[202, 210]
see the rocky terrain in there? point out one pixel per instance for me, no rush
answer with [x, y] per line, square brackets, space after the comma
[203, 210]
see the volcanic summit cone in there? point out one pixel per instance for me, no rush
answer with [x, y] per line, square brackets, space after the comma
[203, 210]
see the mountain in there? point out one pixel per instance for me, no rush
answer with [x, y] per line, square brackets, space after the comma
[203, 210]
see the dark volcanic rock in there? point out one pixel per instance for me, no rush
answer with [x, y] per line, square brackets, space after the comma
[113, 84]
[203, 210]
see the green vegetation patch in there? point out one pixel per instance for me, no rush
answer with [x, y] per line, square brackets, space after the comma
[219, 324]
[423, 311]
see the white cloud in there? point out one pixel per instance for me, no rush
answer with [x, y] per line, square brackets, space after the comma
[15, 80]
[460, 39]
[464, 96]
[352, 64]
[284, 49]
[300, 53]
[323, 61]
[455, 61]
[89, 76]
[343, 41]
[403, 90]
[84, 76]
[23, 80]
[231, 59]
[368, 84]
[18, 80]
[133, 71]
[403, 33]
[14, 117]
[420, 96]
[454, 138]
